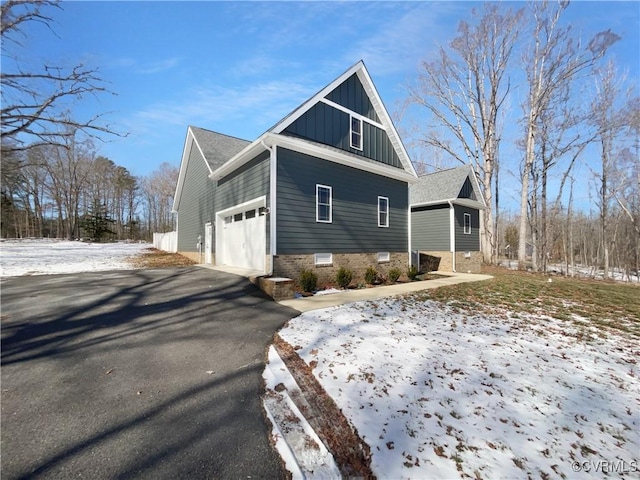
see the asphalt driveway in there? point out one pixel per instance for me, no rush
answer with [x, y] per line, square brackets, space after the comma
[136, 374]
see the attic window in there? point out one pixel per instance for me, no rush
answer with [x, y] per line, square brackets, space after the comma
[356, 133]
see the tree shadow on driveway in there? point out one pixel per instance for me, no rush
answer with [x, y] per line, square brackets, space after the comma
[146, 374]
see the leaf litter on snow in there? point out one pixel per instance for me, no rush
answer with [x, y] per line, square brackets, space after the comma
[443, 394]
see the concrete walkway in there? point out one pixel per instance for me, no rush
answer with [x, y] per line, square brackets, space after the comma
[349, 296]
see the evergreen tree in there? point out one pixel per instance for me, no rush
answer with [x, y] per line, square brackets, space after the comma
[96, 223]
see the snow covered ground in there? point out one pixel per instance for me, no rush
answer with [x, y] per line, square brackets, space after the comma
[580, 271]
[42, 257]
[443, 394]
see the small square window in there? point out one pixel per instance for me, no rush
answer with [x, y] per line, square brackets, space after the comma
[323, 204]
[237, 217]
[250, 214]
[228, 219]
[323, 259]
[356, 133]
[467, 224]
[383, 212]
[384, 257]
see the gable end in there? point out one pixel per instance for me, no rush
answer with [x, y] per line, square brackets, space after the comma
[467, 190]
[352, 95]
[329, 126]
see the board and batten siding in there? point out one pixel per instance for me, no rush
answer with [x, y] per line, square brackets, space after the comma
[330, 126]
[467, 242]
[354, 228]
[430, 228]
[352, 95]
[246, 183]
[196, 202]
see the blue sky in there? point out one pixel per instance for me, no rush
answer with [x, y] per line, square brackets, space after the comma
[239, 67]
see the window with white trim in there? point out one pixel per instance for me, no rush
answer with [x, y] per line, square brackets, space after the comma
[320, 259]
[356, 133]
[383, 211]
[384, 257]
[323, 204]
[467, 224]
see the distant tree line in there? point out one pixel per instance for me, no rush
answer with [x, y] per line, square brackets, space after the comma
[54, 182]
[70, 191]
[572, 107]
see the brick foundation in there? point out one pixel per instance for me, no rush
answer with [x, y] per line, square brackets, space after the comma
[445, 260]
[463, 264]
[291, 265]
[472, 264]
[278, 288]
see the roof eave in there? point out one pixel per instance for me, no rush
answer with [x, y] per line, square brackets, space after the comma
[318, 150]
[376, 99]
[240, 158]
[463, 202]
[361, 70]
[183, 167]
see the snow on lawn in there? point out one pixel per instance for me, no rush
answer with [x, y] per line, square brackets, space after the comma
[41, 257]
[442, 394]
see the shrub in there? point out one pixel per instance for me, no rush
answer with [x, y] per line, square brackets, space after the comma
[308, 280]
[394, 275]
[412, 272]
[343, 277]
[371, 275]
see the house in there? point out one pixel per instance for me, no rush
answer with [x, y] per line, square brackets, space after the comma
[324, 188]
[445, 220]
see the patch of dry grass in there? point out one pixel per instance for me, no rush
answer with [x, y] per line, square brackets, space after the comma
[607, 304]
[154, 258]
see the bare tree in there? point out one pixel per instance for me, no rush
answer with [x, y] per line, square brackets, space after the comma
[69, 169]
[464, 90]
[158, 189]
[616, 115]
[36, 99]
[553, 63]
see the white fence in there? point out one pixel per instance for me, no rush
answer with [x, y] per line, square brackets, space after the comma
[166, 241]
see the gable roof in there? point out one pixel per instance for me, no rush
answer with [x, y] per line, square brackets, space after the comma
[215, 148]
[444, 186]
[273, 135]
[386, 123]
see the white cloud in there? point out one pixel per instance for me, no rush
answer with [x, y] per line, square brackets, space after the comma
[158, 66]
[134, 65]
[239, 111]
[407, 36]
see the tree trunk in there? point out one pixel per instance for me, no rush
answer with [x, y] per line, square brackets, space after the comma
[524, 195]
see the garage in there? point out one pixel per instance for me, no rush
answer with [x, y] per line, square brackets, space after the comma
[241, 235]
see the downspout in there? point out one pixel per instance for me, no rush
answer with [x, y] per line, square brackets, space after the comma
[452, 234]
[409, 229]
[272, 203]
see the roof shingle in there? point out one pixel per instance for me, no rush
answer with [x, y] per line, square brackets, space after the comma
[439, 186]
[217, 147]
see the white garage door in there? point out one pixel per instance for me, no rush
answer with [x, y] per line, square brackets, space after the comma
[243, 237]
